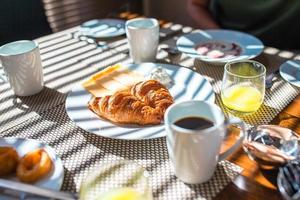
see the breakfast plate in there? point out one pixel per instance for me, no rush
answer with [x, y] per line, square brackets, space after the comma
[219, 46]
[55, 177]
[187, 85]
[103, 28]
[290, 71]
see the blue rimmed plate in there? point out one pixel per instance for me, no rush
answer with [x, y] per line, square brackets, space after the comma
[187, 85]
[54, 179]
[220, 46]
[290, 71]
[103, 28]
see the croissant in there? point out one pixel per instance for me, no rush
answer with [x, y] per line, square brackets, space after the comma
[143, 103]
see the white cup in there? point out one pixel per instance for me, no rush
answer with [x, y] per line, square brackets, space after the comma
[22, 65]
[143, 38]
[195, 153]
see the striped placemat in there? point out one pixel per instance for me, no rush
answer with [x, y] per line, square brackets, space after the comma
[66, 60]
[276, 98]
[81, 152]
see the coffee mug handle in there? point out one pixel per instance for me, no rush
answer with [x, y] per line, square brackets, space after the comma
[234, 147]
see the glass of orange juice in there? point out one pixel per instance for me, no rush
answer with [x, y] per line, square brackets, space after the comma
[120, 180]
[243, 86]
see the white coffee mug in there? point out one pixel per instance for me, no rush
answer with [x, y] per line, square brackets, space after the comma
[143, 38]
[22, 65]
[195, 153]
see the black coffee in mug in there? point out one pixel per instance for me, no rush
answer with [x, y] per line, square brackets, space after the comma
[194, 123]
[195, 131]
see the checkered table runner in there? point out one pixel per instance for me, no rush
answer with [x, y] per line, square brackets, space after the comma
[81, 151]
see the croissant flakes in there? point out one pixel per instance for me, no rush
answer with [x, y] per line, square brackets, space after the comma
[143, 103]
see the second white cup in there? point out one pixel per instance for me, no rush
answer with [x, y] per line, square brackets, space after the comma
[143, 38]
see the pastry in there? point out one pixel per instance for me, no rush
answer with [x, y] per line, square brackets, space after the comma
[34, 166]
[9, 159]
[143, 103]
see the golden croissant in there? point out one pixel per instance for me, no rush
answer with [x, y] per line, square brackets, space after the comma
[143, 103]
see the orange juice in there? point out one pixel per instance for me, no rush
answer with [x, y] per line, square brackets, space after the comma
[242, 98]
[122, 194]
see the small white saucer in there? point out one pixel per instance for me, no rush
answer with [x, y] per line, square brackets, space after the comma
[103, 28]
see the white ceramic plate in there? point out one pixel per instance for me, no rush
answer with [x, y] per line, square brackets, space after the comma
[187, 85]
[290, 71]
[236, 45]
[54, 179]
[103, 28]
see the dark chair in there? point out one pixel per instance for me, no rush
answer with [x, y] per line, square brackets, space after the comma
[62, 14]
[22, 19]
[29, 19]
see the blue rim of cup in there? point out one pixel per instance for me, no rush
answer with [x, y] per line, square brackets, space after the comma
[155, 23]
[18, 41]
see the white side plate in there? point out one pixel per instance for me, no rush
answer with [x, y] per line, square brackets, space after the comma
[103, 28]
[54, 179]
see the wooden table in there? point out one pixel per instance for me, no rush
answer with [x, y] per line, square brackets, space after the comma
[255, 183]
